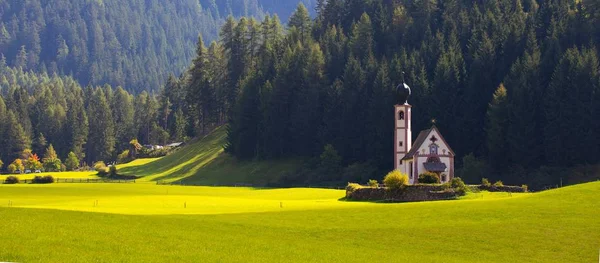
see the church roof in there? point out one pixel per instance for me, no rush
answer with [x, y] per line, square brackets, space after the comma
[421, 139]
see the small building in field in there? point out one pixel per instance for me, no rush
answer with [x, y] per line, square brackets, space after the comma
[429, 153]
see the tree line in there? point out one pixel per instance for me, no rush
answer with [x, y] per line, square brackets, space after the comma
[55, 118]
[513, 85]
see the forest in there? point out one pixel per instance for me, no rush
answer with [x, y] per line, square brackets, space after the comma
[134, 44]
[512, 85]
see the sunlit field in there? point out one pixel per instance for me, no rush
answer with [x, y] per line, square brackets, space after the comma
[144, 222]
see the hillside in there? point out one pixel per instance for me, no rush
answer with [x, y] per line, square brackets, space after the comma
[292, 225]
[203, 162]
[135, 44]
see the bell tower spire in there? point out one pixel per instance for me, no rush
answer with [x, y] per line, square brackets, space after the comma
[402, 127]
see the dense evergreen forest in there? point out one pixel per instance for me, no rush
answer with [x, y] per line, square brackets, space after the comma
[512, 84]
[133, 43]
[39, 112]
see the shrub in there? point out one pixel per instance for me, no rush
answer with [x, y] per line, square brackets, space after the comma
[353, 187]
[373, 183]
[498, 183]
[395, 180]
[112, 171]
[485, 182]
[11, 168]
[124, 157]
[459, 186]
[48, 179]
[11, 180]
[429, 178]
[525, 188]
[100, 167]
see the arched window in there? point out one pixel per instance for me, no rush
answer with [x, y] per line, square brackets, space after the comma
[401, 115]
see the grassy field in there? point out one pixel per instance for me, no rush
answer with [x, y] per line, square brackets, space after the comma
[79, 175]
[148, 223]
[203, 162]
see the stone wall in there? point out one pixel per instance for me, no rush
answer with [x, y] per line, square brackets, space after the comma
[505, 188]
[410, 193]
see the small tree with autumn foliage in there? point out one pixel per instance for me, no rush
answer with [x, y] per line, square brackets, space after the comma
[51, 161]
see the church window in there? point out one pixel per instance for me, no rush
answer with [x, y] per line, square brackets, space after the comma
[400, 162]
[401, 115]
[400, 144]
[433, 149]
[443, 177]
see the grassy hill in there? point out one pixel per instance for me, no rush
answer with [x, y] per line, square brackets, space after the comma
[149, 223]
[203, 162]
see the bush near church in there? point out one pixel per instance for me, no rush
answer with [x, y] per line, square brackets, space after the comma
[429, 178]
[395, 180]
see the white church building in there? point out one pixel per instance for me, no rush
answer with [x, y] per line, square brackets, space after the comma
[429, 153]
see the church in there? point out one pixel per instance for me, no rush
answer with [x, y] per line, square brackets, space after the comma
[429, 153]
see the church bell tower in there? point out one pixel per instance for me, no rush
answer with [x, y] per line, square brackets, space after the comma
[402, 128]
[402, 135]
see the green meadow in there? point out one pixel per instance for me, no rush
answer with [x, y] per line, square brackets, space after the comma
[202, 162]
[145, 222]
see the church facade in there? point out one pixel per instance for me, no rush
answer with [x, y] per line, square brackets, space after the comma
[429, 153]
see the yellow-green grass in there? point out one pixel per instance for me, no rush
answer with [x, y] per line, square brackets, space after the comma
[204, 162]
[61, 175]
[77, 175]
[248, 225]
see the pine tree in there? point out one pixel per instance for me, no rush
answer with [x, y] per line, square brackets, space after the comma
[123, 117]
[101, 140]
[15, 140]
[496, 129]
[523, 92]
[77, 128]
[72, 162]
[301, 21]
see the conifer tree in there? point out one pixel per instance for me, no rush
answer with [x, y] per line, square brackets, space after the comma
[101, 140]
[496, 129]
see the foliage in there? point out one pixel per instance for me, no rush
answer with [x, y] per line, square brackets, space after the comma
[12, 168]
[72, 162]
[11, 180]
[124, 157]
[33, 163]
[429, 178]
[459, 186]
[100, 166]
[373, 183]
[395, 180]
[485, 182]
[330, 161]
[48, 179]
[17, 164]
[351, 187]
[112, 172]
[525, 187]
[498, 183]
[51, 161]
[473, 169]
[92, 38]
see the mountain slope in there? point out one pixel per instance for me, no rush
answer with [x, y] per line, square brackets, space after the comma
[133, 43]
[203, 162]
